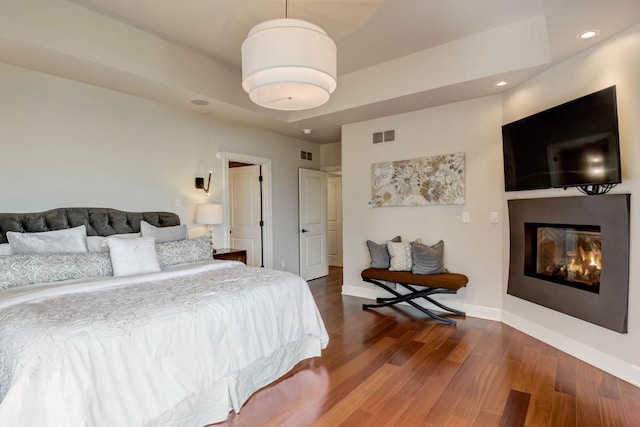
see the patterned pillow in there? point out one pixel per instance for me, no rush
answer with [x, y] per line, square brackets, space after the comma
[49, 242]
[163, 234]
[25, 269]
[184, 251]
[400, 253]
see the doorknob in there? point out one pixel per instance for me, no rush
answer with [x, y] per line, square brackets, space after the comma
[305, 231]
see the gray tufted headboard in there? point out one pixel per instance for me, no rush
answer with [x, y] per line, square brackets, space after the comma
[99, 221]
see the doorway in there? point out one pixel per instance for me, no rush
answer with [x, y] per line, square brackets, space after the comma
[247, 206]
[334, 219]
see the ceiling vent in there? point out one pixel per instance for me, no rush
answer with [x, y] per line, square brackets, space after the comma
[383, 136]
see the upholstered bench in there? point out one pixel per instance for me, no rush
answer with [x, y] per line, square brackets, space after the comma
[430, 284]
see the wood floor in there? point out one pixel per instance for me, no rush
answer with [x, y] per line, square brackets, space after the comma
[395, 367]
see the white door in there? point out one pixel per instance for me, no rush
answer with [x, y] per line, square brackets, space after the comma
[313, 223]
[334, 220]
[244, 212]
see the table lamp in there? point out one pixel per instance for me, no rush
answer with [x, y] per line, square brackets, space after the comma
[210, 214]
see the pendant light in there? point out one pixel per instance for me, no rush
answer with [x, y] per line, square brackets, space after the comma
[288, 64]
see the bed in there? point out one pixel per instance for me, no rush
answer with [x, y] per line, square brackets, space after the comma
[179, 346]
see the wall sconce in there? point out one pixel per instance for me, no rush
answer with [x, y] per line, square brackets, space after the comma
[209, 214]
[200, 184]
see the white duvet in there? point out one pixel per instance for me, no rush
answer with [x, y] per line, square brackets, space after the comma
[176, 348]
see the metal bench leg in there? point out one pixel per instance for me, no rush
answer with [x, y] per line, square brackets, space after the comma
[384, 302]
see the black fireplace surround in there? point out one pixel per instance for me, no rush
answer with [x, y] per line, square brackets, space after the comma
[608, 307]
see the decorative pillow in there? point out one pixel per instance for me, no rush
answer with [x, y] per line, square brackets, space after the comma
[132, 256]
[379, 253]
[163, 234]
[25, 269]
[184, 251]
[49, 242]
[5, 249]
[97, 243]
[400, 254]
[427, 259]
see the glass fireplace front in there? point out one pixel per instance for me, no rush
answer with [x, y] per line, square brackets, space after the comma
[565, 254]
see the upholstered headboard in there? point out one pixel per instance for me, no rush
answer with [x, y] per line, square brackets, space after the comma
[99, 221]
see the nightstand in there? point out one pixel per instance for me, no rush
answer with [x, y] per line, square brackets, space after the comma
[231, 254]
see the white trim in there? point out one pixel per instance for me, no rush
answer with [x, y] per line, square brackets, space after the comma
[614, 366]
[332, 169]
[590, 355]
[226, 156]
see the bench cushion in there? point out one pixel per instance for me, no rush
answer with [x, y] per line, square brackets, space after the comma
[442, 280]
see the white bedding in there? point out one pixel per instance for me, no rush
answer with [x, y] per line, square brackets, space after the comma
[176, 348]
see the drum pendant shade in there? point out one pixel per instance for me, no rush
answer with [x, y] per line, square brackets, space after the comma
[288, 64]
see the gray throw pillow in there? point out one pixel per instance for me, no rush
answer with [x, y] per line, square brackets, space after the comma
[379, 253]
[427, 259]
[67, 240]
[163, 234]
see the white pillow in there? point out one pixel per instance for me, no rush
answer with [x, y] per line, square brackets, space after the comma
[69, 240]
[97, 243]
[163, 234]
[400, 253]
[5, 249]
[132, 256]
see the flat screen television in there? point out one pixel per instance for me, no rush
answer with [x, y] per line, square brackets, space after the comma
[574, 144]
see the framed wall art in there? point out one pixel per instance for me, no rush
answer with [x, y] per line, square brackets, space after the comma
[425, 181]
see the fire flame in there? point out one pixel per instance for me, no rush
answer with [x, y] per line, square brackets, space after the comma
[585, 262]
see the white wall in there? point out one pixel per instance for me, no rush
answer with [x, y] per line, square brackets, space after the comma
[612, 62]
[479, 249]
[331, 156]
[474, 249]
[66, 143]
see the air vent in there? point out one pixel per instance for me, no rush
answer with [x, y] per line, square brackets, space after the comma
[306, 155]
[384, 136]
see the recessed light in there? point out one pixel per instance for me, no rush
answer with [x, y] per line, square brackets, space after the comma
[199, 101]
[588, 34]
[501, 83]
[306, 131]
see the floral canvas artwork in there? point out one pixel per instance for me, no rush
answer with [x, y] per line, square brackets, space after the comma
[435, 180]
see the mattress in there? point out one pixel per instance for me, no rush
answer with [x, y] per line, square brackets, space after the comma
[181, 347]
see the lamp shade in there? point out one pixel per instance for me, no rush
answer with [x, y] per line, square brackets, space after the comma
[209, 213]
[289, 64]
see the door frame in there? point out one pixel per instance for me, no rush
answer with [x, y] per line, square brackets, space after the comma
[227, 156]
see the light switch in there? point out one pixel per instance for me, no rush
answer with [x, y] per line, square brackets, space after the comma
[466, 217]
[494, 217]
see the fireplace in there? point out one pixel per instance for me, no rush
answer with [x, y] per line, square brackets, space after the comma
[571, 254]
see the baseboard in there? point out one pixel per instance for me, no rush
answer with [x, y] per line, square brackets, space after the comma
[606, 362]
[614, 366]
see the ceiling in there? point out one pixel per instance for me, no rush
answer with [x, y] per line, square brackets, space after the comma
[394, 56]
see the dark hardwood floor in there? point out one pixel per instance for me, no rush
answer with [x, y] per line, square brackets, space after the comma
[395, 367]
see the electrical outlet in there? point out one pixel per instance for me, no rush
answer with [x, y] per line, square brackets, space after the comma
[466, 217]
[178, 202]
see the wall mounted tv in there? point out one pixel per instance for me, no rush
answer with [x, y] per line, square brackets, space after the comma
[575, 144]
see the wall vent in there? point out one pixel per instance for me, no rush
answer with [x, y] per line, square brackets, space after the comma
[384, 136]
[306, 155]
